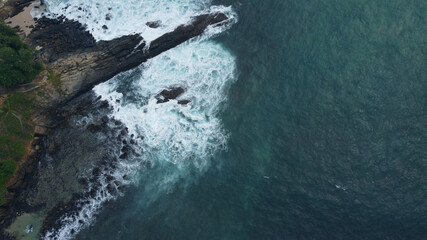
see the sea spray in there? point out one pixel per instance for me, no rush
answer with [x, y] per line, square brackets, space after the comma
[176, 133]
[179, 138]
[112, 19]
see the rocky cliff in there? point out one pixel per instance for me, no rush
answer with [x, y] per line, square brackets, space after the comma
[75, 62]
[79, 62]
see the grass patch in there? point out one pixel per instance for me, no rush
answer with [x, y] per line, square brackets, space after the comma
[7, 168]
[21, 103]
[55, 79]
[41, 94]
[11, 148]
[13, 125]
[15, 131]
[17, 149]
[4, 146]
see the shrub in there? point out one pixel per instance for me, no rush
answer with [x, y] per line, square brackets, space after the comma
[17, 149]
[13, 125]
[16, 59]
[7, 168]
[19, 102]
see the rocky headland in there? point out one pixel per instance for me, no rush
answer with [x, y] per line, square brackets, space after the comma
[74, 63]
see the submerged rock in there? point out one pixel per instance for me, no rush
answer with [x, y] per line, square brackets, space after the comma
[184, 102]
[153, 24]
[71, 50]
[54, 147]
[169, 94]
[94, 128]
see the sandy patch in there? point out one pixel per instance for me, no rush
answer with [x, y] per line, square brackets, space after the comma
[24, 20]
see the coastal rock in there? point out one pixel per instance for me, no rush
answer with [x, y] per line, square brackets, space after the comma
[81, 63]
[12, 7]
[59, 36]
[154, 24]
[104, 119]
[94, 128]
[184, 102]
[40, 131]
[54, 147]
[169, 94]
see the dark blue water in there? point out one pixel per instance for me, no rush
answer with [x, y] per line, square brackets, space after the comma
[328, 132]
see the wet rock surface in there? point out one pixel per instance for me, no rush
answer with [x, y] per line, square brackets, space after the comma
[154, 24]
[74, 163]
[59, 36]
[82, 65]
[71, 155]
[169, 94]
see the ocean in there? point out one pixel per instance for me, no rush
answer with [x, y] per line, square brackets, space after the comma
[306, 120]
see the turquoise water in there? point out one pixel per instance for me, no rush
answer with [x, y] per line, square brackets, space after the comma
[326, 121]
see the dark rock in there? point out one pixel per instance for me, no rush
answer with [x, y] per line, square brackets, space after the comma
[83, 181]
[69, 48]
[125, 149]
[111, 189]
[166, 95]
[96, 171]
[184, 102]
[109, 178]
[40, 131]
[54, 147]
[154, 24]
[104, 119]
[104, 104]
[104, 27]
[94, 128]
[60, 36]
[108, 17]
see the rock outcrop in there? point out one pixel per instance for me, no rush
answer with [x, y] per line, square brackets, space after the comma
[80, 63]
[75, 63]
[8, 8]
[169, 94]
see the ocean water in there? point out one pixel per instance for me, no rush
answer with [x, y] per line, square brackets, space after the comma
[307, 120]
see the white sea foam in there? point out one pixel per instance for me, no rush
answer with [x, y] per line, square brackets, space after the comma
[131, 16]
[172, 132]
[180, 139]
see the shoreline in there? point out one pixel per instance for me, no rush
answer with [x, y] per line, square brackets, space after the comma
[24, 20]
[73, 68]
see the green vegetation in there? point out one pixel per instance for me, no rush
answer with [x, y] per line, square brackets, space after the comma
[7, 168]
[55, 79]
[21, 103]
[16, 59]
[15, 131]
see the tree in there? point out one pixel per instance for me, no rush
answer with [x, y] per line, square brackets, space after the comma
[16, 59]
